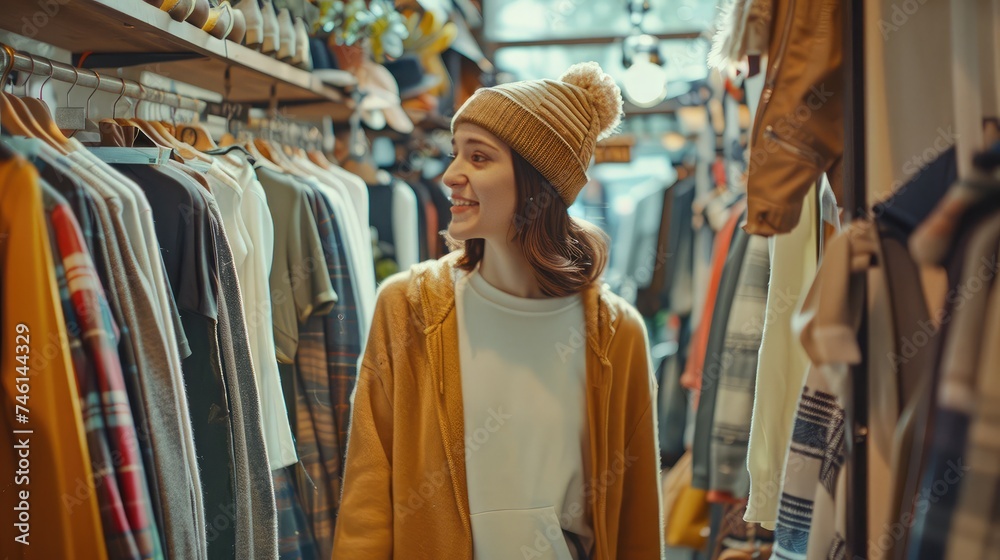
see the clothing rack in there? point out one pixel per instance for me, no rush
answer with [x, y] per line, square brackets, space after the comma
[291, 131]
[856, 206]
[14, 61]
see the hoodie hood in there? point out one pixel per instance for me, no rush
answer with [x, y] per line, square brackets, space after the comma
[431, 296]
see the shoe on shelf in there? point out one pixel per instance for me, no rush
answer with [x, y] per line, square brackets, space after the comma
[179, 10]
[254, 23]
[269, 42]
[199, 15]
[239, 27]
[302, 58]
[286, 36]
[220, 21]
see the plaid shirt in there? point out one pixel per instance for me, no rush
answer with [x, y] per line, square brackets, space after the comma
[343, 333]
[120, 479]
[61, 177]
[326, 371]
[295, 541]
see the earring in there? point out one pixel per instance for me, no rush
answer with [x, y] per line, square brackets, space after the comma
[531, 199]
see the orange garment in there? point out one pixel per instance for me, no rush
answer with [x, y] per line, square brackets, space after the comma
[721, 497]
[62, 506]
[691, 378]
[405, 492]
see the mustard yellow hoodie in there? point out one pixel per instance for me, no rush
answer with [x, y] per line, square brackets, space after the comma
[405, 493]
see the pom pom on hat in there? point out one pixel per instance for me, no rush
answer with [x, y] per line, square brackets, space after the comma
[603, 92]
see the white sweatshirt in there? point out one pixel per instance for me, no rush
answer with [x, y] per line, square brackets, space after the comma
[523, 385]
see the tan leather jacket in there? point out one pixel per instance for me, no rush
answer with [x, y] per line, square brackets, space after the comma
[798, 132]
[405, 493]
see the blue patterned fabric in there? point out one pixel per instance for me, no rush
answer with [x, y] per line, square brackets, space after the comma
[815, 459]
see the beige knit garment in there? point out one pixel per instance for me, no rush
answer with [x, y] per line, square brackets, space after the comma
[548, 123]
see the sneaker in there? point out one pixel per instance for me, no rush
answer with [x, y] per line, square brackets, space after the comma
[254, 23]
[302, 58]
[286, 36]
[270, 22]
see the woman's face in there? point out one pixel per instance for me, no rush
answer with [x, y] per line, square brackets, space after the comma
[481, 179]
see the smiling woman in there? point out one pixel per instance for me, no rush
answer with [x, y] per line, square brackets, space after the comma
[521, 153]
[502, 200]
[512, 331]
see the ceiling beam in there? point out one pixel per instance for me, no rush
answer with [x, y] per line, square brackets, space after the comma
[589, 40]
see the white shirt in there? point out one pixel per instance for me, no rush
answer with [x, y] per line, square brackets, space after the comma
[405, 225]
[524, 390]
[247, 217]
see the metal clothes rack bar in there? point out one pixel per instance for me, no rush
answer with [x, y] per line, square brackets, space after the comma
[11, 60]
[856, 205]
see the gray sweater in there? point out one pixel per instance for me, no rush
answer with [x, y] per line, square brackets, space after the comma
[252, 468]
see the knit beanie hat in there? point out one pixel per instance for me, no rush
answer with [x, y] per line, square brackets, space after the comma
[553, 124]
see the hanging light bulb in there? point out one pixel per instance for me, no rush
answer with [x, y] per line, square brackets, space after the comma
[645, 83]
[645, 80]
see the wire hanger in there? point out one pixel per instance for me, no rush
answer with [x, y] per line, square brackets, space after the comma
[45, 81]
[87, 106]
[114, 108]
[76, 78]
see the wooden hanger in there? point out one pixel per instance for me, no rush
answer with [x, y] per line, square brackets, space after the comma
[227, 140]
[29, 126]
[28, 120]
[197, 135]
[10, 118]
[319, 159]
[8, 115]
[149, 133]
[316, 155]
[270, 152]
[261, 159]
[185, 150]
[273, 153]
[40, 113]
[130, 125]
[364, 169]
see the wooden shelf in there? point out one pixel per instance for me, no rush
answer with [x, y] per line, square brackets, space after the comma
[134, 27]
[339, 112]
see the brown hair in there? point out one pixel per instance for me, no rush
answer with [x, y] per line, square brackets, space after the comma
[566, 254]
